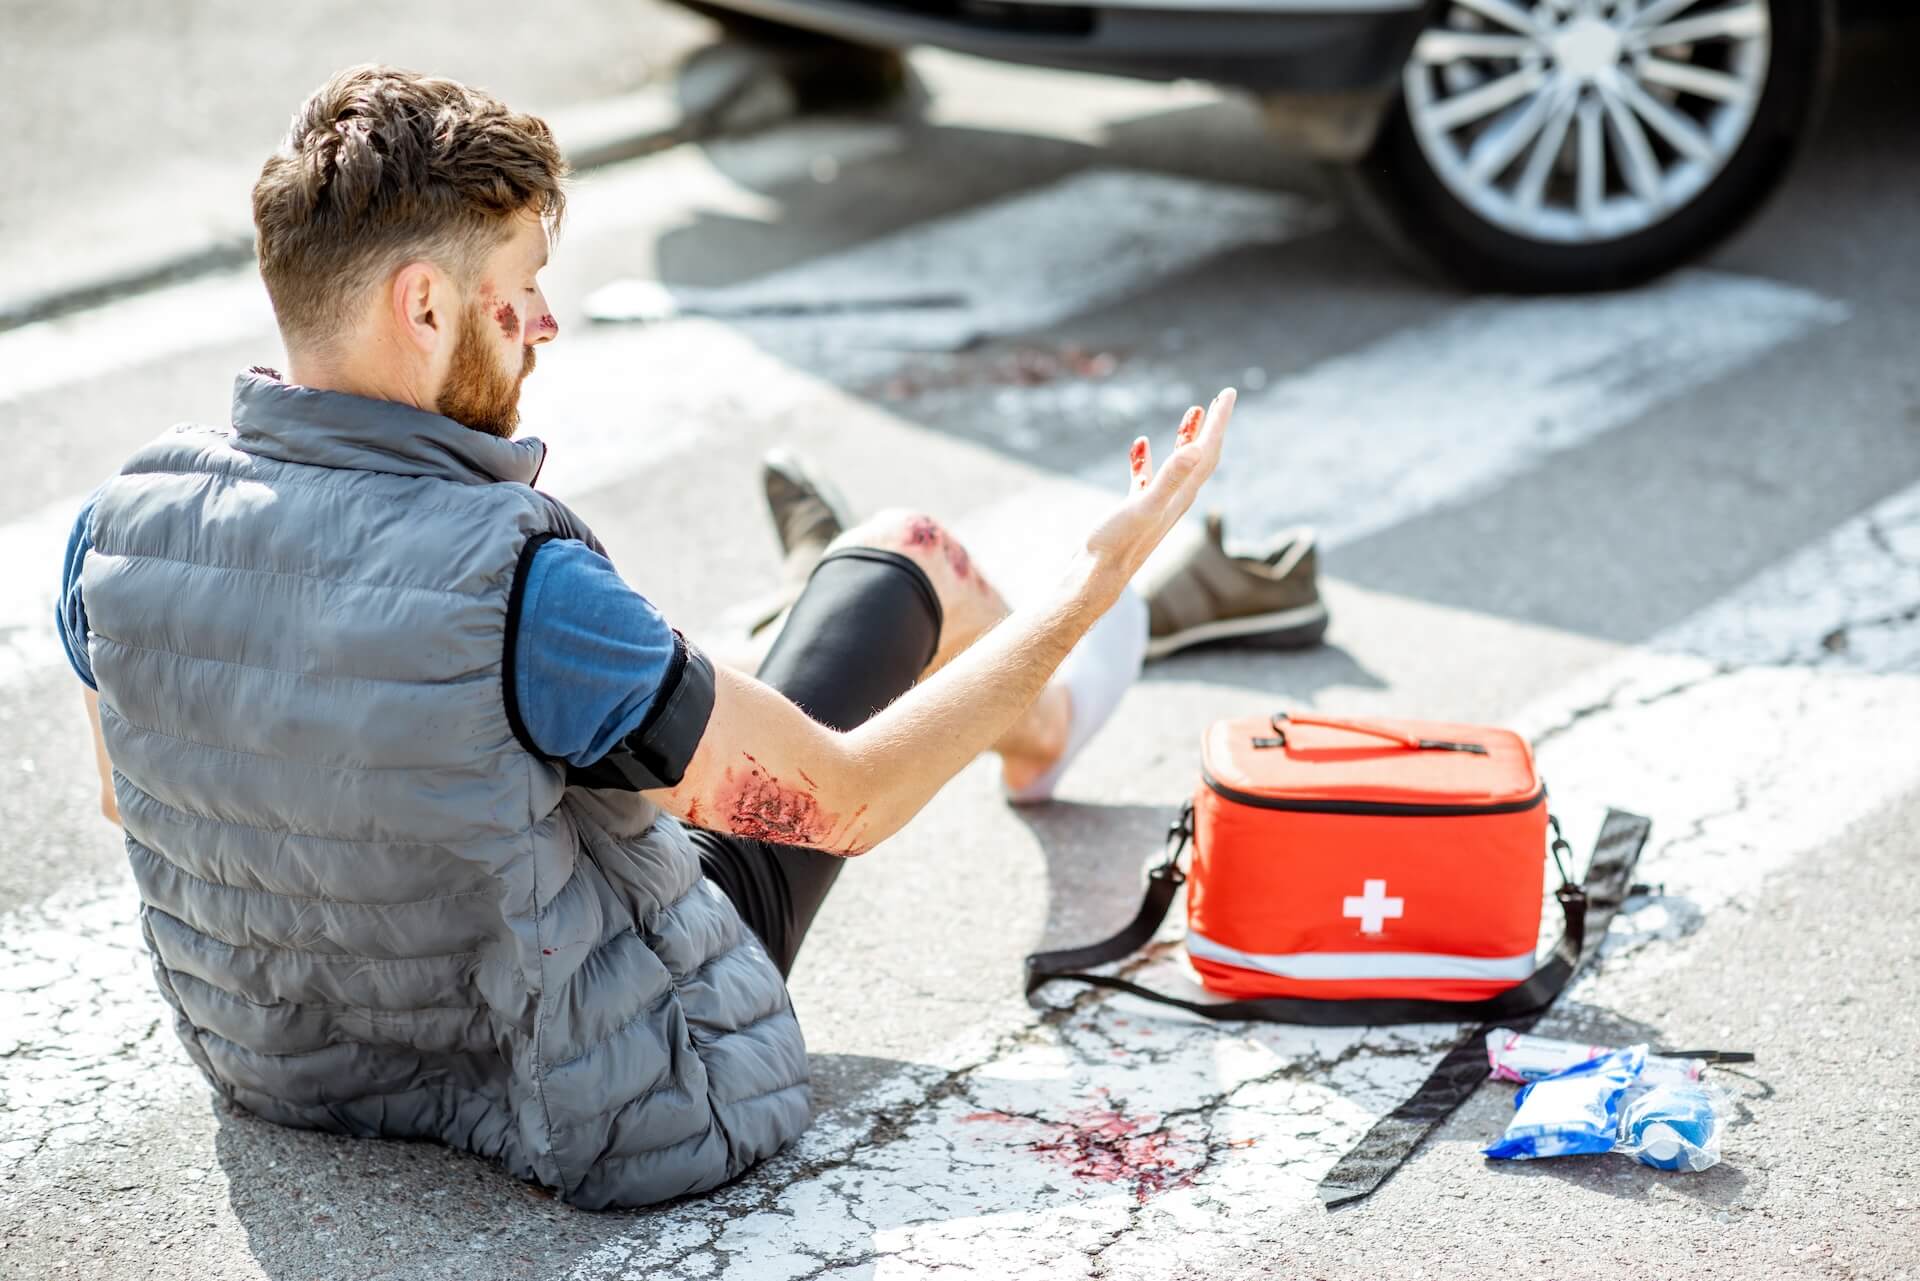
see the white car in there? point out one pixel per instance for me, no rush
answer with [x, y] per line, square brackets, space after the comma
[1523, 145]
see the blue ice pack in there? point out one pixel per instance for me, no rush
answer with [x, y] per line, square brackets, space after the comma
[1570, 1112]
[1671, 1127]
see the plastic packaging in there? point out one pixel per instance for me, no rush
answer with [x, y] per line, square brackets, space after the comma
[1571, 1112]
[1672, 1127]
[1522, 1057]
[1614, 1104]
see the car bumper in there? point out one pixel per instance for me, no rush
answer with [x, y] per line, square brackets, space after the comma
[1344, 47]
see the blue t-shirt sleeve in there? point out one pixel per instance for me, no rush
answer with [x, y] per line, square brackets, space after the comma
[69, 611]
[590, 655]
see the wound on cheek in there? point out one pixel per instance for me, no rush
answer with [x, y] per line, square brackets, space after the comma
[508, 319]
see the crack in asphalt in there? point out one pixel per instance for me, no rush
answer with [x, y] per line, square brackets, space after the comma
[896, 1123]
[889, 1126]
[1611, 701]
[1837, 639]
[1878, 536]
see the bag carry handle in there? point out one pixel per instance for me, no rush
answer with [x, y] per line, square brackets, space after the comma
[1410, 741]
[1593, 904]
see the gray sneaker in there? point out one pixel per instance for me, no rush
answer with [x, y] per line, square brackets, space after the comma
[1198, 591]
[808, 513]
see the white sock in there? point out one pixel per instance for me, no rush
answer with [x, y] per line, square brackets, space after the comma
[1096, 673]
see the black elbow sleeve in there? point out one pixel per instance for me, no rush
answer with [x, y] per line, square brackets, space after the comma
[656, 752]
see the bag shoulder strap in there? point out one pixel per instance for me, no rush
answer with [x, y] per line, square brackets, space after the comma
[1393, 1138]
[1589, 909]
[1605, 884]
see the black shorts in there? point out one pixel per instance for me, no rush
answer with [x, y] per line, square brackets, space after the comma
[864, 628]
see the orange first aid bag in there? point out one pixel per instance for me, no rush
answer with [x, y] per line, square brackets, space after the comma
[1340, 859]
[1349, 871]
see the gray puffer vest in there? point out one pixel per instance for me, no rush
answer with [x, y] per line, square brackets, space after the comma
[372, 909]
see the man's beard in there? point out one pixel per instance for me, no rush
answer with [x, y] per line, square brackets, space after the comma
[479, 393]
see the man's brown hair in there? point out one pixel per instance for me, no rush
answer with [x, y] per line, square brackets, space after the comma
[382, 167]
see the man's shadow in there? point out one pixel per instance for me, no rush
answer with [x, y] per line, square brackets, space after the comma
[316, 1207]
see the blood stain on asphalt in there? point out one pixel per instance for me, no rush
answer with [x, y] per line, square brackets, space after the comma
[1105, 1145]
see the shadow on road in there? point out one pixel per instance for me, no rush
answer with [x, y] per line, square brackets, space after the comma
[1280, 675]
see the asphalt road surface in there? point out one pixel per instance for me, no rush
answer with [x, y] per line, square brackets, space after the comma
[1674, 535]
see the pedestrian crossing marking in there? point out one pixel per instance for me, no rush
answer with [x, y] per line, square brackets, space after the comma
[1434, 415]
[1017, 265]
[1429, 416]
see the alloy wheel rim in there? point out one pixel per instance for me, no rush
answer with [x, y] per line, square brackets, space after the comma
[1579, 121]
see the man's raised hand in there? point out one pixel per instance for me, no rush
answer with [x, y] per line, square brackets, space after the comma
[1156, 500]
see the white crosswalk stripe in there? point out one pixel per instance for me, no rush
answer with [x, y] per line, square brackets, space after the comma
[1014, 266]
[1740, 730]
[1037, 1150]
[1436, 414]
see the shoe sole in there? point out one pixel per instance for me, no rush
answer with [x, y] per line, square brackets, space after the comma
[1285, 629]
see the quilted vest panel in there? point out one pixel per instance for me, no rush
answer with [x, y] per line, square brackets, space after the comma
[373, 911]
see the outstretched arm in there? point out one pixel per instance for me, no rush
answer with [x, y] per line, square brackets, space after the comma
[764, 769]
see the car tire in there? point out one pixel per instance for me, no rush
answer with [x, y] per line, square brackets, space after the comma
[1430, 218]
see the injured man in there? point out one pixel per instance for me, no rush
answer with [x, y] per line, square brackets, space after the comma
[441, 831]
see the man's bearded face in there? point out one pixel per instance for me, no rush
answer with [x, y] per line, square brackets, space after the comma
[480, 391]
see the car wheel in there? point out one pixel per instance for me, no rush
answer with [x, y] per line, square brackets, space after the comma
[1550, 145]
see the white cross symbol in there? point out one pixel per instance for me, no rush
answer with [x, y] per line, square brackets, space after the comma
[1373, 907]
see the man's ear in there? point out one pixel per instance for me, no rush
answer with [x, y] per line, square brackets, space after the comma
[423, 306]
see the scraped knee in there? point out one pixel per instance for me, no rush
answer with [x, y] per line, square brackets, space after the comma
[917, 536]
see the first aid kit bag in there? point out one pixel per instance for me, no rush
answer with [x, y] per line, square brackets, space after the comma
[1345, 859]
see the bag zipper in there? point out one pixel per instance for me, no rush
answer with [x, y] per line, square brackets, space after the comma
[1397, 808]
